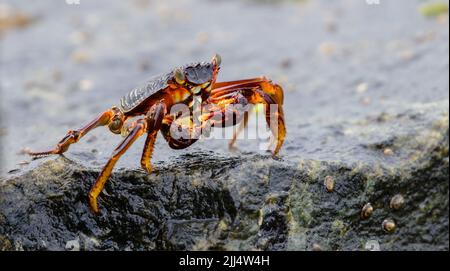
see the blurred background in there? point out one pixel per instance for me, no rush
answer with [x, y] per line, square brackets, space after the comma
[342, 64]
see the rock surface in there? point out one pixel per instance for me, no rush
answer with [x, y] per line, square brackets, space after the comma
[366, 104]
[251, 202]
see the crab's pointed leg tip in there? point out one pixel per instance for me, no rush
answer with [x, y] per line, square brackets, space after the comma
[37, 155]
[232, 145]
[25, 150]
[94, 209]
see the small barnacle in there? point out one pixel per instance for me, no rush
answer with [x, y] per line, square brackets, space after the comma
[366, 211]
[388, 152]
[329, 183]
[388, 225]
[397, 202]
[316, 247]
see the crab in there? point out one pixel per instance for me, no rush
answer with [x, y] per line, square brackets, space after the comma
[147, 110]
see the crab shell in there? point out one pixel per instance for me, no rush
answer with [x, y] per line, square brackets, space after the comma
[194, 76]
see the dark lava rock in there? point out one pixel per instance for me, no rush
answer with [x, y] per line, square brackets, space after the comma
[366, 103]
[207, 201]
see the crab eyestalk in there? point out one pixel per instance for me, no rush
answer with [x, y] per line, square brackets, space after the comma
[217, 60]
[179, 76]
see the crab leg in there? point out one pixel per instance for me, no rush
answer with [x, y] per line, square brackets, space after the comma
[274, 116]
[154, 119]
[218, 85]
[226, 111]
[241, 127]
[262, 83]
[233, 98]
[137, 129]
[257, 90]
[105, 118]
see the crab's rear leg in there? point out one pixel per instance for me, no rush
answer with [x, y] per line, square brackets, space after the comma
[151, 123]
[137, 128]
[112, 117]
[257, 90]
[154, 119]
[274, 116]
[240, 128]
[233, 109]
[262, 83]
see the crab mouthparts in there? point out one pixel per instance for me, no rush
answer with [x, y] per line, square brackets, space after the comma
[196, 90]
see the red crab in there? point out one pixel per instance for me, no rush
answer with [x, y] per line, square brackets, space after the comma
[147, 110]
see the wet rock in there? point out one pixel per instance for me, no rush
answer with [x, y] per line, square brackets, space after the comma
[209, 201]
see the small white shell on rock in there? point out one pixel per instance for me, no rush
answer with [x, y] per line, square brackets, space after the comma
[316, 247]
[388, 152]
[329, 183]
[397, 202]
[73, 245]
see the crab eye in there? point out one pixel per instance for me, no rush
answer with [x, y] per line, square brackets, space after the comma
[179, 76]
[217, 59]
